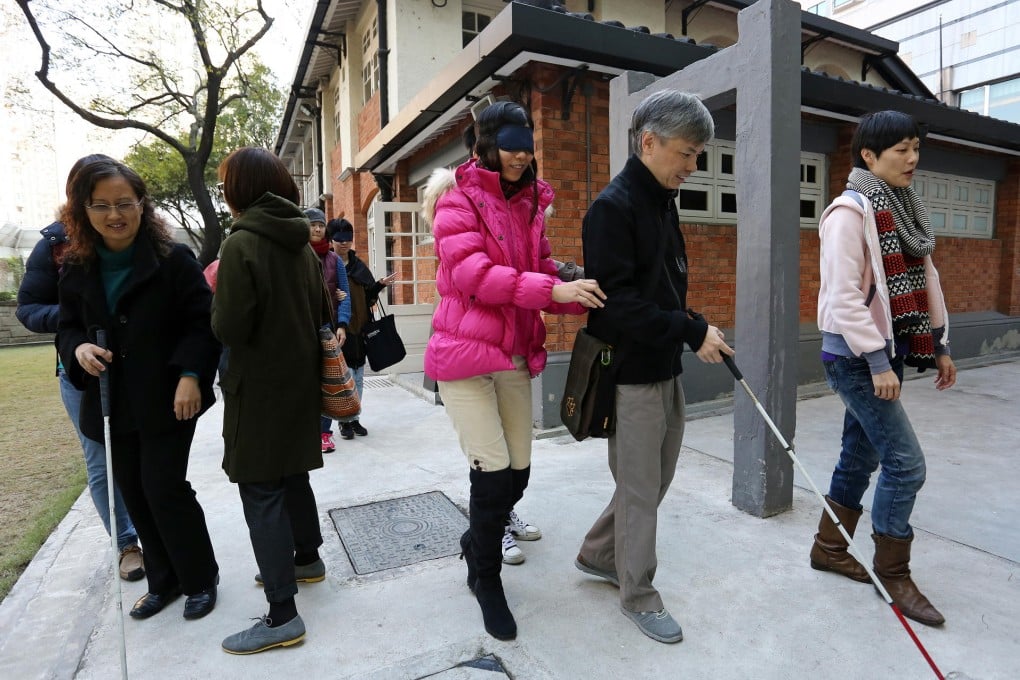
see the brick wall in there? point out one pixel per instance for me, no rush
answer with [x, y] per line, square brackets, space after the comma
[1007, 229]
[977, 274]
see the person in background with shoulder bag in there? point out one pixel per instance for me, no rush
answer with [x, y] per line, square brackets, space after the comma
[364, 292]
[633, 245]
[334, 274]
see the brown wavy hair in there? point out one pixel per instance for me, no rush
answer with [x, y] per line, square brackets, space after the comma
[80, 233]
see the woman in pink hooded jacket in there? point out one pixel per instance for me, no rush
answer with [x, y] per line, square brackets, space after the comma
[494, 278]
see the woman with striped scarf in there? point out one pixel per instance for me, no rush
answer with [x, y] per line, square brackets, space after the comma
[880, 308]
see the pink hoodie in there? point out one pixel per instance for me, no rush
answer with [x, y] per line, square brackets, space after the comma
[475, 324]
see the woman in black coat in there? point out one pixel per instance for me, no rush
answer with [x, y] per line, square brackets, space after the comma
[123, 274]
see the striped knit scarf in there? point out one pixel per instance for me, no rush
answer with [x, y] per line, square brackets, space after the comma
[905, 237]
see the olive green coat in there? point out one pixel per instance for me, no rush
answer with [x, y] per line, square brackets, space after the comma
[269, 304]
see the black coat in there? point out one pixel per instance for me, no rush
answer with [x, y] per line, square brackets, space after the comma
[270, 302]
[634, 248]
[159, 329]
[364, 292]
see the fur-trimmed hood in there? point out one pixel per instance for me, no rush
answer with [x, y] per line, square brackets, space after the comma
[440, 181]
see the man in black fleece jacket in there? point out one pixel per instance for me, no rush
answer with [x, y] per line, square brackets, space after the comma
[634, 248]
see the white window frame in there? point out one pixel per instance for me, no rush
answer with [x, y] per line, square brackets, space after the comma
[716, 183]
[370, 59]
[337, 106]
[476, 11]
[961, 207]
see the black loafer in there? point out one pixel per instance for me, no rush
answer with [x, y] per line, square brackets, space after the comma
[200, 604]
[153, 603]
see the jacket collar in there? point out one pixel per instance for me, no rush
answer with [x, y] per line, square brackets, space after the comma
[642, 178]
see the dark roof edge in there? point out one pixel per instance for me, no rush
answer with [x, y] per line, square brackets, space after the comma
[821, 91]
[523, 28]
[314, 26]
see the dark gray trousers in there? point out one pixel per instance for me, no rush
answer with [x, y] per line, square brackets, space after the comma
[642, 457]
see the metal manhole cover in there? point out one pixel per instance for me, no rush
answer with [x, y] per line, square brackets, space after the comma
[400, 531]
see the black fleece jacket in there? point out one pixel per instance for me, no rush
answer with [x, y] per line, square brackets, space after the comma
[634, 248]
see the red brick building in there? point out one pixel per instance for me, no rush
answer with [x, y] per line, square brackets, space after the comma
[384, 89]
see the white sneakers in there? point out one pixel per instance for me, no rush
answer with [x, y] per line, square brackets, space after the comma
[522, 530]
[516, 528]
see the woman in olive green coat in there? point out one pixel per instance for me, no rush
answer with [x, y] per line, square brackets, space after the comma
[269, 305]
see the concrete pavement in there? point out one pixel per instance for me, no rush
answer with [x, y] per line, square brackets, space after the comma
[741, 587]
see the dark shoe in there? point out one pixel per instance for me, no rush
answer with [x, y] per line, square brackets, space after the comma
[469, 559]
[607, 574]
[131, 566]
[499, 621]
[261, 637]
[892, 566]
[305, 573]
[359, 429]
[200, 604]
[346, 431]
[153, 603]
[829, 552]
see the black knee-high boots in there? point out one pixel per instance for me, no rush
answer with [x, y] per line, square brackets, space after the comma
[492, 495]
[520, 482]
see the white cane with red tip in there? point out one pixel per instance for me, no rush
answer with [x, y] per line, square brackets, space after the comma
[730, 364]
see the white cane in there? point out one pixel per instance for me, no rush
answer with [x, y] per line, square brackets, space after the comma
[104, 397]
[730, 364]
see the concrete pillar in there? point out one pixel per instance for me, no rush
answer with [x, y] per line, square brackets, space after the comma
[761, 74]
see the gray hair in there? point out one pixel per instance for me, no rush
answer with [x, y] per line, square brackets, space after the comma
[670, 114]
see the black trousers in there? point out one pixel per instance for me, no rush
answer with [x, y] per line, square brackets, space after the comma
[282, 518]
[151, 471]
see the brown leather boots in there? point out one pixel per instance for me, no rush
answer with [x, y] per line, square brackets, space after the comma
[892, 563]
[892, 566]
[829, 553]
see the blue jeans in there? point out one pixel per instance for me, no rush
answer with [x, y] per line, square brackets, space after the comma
[95, 468]
[875, 432]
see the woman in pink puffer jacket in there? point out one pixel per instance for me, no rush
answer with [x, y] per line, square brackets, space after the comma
[494, 278]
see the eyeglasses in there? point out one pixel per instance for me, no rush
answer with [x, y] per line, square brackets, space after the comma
[104, 209]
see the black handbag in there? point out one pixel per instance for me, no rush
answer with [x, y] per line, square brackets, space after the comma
[383, 345]
[588, 407]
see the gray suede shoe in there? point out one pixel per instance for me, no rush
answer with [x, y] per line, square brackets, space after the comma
[595, 571]
[309, 573]
[261, 637]
[657, 625]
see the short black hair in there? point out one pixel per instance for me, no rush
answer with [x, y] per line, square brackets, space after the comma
[883, 130]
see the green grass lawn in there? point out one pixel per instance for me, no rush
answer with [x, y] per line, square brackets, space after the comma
[42, 471]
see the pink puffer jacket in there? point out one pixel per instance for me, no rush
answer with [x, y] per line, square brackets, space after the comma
[480, 289]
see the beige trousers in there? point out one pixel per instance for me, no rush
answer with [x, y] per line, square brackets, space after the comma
[642, 457]
[491, 414]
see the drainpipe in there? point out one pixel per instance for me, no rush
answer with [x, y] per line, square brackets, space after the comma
[384, 71]
[320, 152]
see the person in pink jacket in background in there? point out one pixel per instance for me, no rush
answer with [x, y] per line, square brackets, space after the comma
[495, 276]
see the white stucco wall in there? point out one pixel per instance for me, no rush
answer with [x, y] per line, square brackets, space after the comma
[648, 13]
